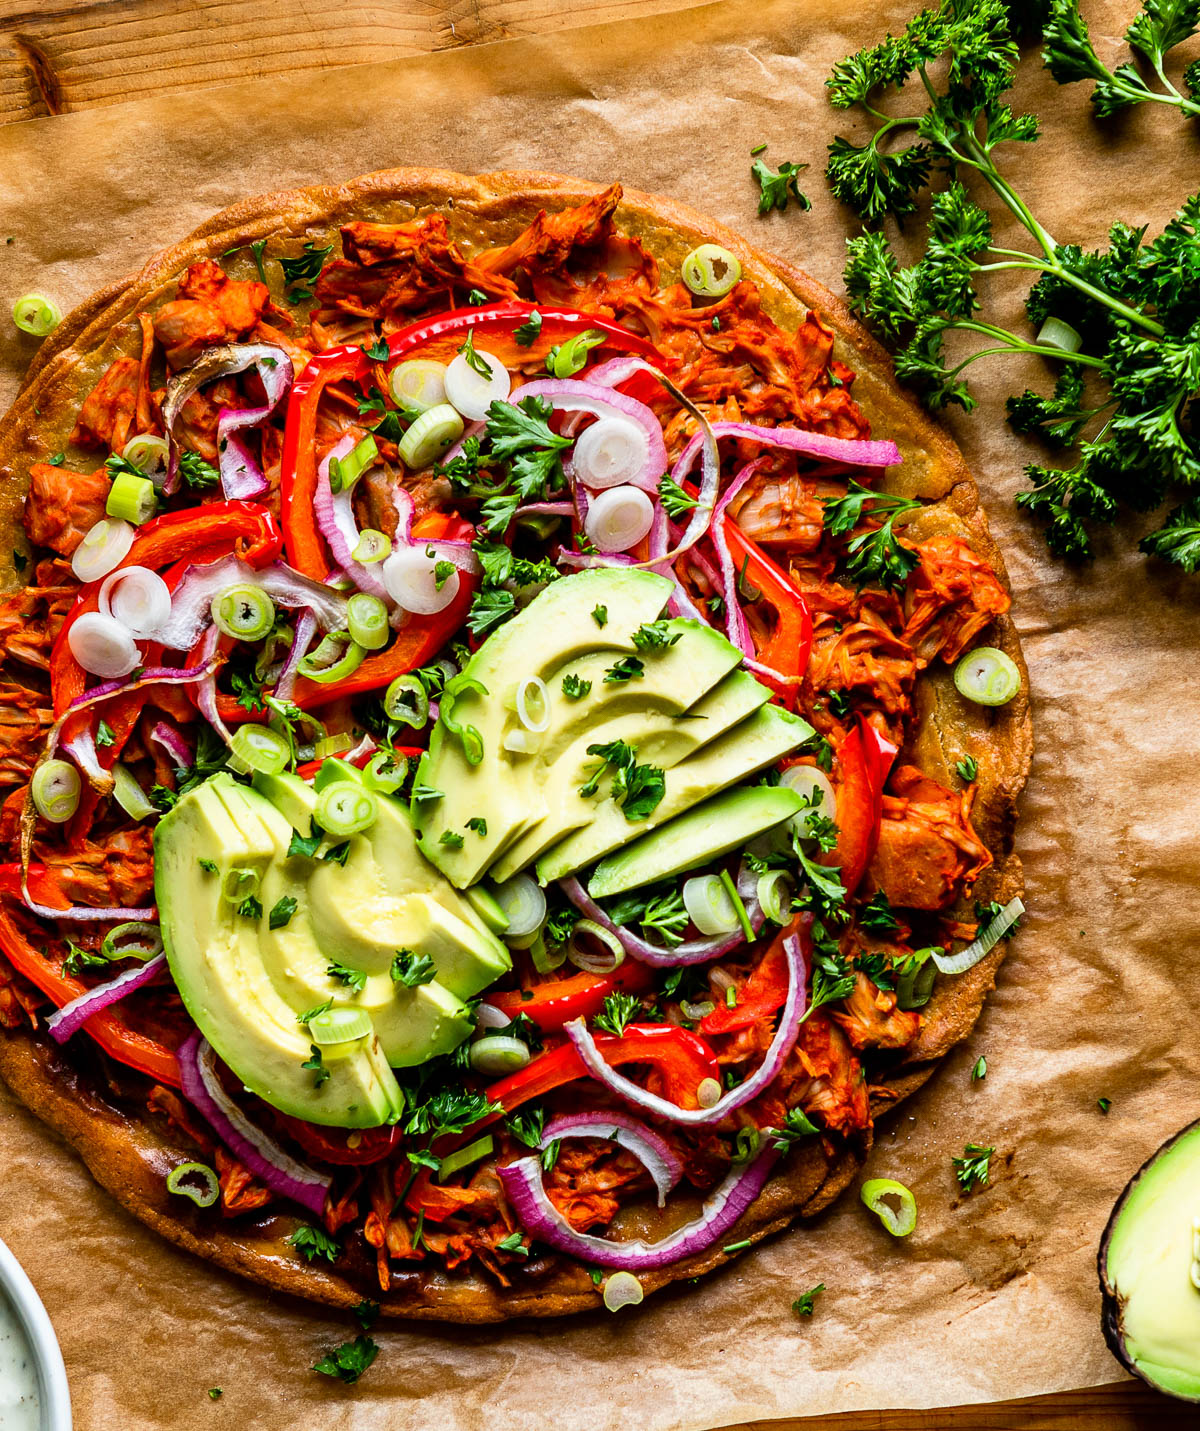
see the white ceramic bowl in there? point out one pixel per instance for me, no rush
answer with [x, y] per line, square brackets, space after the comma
[52, 1375]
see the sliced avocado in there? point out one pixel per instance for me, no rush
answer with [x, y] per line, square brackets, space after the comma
[294, 798]
[760, 740]
[659, 739]
[556, 628]
[216, 961]
[1151, 1306]
[721, 824]
[333, 770]
[487, 906]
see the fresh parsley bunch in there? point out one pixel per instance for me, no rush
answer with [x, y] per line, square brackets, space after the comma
[1127, 315]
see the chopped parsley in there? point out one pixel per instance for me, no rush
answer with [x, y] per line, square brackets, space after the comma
[312, 1242]
[979, 1072]
[366, 1312]
[600, 615]
[310, 1014]
[574, 687]
[619, 1009]
[349, 1361]
[196, 472]
[301, 272]
[281, 912]
[305, 845]
[527, 334]
[967, 769]
[250, 908]
[877, 915]
[336, 854]
[209, 866]
[776, 186]
[515, 1243]
[804, 1303]
[628, 668]
[875, 556]
[451, 839]
[796, 1126]
[104, 734]
[355, 979]
[478, 825]
[971, 1169]
[412, 969]
[674, 499]
[1104, 1104]
[654, 636]
[316, 1063]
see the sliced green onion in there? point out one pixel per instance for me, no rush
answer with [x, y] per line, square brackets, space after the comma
[37, 315]
[280, 640]
[983, 943]
[147, 452]
[367, 618]
[533, 704]
[129, 794]
[429, 436]
[386, 772]
[816, 789]
[696, 1011]
[622, 1289]
[240, 883]
[708, 1093]
[915, 975]
[463, 1157]
[775, 892]
[407, 701]
[344, 809]
[258, 747]
[487, 907]
[524, 904]
[372, 546]
[472, 741]
[1054, 333]
[146, 941]
[987, 676]
[498, 1054]
[344, 472]
[202, 1196]
[898, 1221]
[742, 917]
[55, 789]
[337, 657]
[708, 905]
[244, 612]
[710, 271]
[546, 957]
[418, 385]
[588, 959]
[567, 359]
[333, 744]
[339, 1025]
[131, 499]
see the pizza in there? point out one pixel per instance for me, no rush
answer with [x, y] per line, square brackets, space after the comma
[511, 736]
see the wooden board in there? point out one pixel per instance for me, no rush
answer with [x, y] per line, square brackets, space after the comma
[57, 56]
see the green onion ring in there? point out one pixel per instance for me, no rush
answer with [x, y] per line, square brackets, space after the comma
[341, 1025]
[987, 676]
[472, 741]
[258, 747]
[240, 883]
[150, 934]
[37, 315]
[131, 499]
[567, 359]
[898, 1221]
[367, 618]
[372, 546]
[202, 1197]
[622, 1289]
[244, 612]
[326, 665]
[345, 809]
[385, 772]
[55, 788]
[775, 891]
[464, 1157]
[129, 794]
[710, 271]
[407, 701]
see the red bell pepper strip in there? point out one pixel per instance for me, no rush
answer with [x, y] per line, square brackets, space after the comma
[310, 767]
[416, 643]
[859, 787]
[348, 1147]
[789, 646]
[766, 989]
[298, 480]
[682, 1058]
[117, 1039]
[553, 1004]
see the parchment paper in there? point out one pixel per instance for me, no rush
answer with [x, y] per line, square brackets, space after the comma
[994, 1296]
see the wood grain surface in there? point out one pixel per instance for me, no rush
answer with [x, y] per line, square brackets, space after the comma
[57, 56]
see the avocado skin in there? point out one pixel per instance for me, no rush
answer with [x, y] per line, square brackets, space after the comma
[1111, 1308]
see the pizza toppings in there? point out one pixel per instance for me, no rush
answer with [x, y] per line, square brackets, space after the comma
[597, 549]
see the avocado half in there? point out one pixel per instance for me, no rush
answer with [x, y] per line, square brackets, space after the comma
[1151, 1306]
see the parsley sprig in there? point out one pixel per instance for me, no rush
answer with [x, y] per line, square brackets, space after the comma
[1133, 306]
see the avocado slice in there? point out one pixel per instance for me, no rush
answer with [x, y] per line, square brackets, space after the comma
[292, 797]
[662, 740]
[707, 831]
[558, 627]
[1151, 1304]
[756, 742]
[215, 959]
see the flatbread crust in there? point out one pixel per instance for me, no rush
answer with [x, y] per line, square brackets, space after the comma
[130, 1157]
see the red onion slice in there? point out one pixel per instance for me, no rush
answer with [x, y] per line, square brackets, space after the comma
[82, 750]
[177, 746]
[522, 1182]
[207, 702]
[192, 601]
[694, 951]
[151, 676]
[240, 474]
[781, 1045]
[650, 1148]
[737, 628]
[335, 518]
[260, 1153]
[71, 1017]
[306, 629]
[570, 395]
